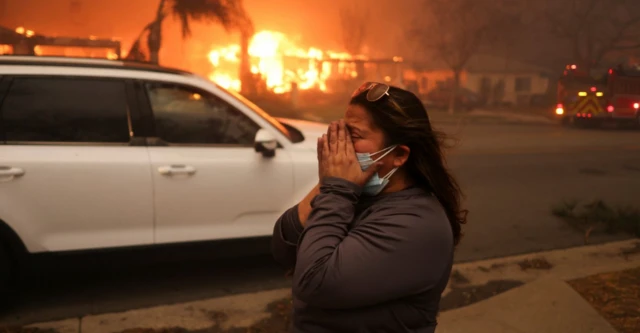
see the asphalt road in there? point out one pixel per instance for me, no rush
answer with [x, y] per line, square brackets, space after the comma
[512, 175]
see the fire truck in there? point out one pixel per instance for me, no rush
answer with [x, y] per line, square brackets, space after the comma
[591, 99]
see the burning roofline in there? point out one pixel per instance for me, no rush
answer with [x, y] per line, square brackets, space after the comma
[30, 39]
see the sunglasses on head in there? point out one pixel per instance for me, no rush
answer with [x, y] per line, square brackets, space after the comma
[375, 91]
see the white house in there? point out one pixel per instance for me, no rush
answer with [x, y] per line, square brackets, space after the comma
[497, 80]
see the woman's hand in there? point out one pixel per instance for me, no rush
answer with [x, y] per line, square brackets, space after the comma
[338, 159]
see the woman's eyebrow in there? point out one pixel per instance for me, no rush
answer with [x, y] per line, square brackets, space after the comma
[353, 129]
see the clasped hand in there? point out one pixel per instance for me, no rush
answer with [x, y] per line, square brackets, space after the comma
[337, 157]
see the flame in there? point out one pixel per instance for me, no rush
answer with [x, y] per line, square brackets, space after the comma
[67, 51]
[281, 63]
[112, 55]
[23, 31]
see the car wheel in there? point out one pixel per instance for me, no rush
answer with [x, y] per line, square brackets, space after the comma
[6, 276]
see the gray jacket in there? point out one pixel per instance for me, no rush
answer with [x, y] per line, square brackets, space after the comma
[366, 264]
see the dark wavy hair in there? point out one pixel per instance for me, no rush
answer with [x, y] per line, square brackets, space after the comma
[403, 119]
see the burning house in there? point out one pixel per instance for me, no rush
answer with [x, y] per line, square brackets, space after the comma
[281, 66]
[277, 65]
[22, 41]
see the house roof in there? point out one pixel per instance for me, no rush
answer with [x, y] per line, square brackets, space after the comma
[8, 35]
[489, 63]
[484, 63]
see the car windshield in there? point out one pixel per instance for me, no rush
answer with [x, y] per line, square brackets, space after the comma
[275, 123]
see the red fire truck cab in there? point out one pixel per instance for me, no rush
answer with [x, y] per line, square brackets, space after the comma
[587, 99]
[624, 95]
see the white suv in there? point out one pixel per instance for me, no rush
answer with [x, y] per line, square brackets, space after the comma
[101, 154]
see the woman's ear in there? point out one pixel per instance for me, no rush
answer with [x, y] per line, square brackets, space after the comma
[401, 155]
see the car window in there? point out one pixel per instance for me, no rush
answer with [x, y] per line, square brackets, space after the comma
[186, 115]
[284, 130]
[66, 110]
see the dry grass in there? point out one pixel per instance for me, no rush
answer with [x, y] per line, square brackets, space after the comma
[616, 296]
[598, 216]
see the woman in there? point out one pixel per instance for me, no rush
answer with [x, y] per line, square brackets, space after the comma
[372, 244]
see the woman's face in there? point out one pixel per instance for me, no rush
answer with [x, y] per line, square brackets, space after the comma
[367, 138]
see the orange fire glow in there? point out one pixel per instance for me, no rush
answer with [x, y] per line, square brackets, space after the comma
[66, 51]
[6, 49]
[23, 31]
[280, 62]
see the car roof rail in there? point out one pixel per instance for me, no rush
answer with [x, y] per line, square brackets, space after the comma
[87, 63]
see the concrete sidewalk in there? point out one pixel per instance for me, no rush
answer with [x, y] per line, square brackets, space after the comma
[544, 303]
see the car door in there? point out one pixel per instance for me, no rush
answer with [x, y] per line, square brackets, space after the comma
[71, 177]
[209, 181]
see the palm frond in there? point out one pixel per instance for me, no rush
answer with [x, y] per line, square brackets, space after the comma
[136, 51]
[225, 12]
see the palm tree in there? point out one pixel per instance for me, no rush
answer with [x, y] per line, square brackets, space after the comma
[229, 13]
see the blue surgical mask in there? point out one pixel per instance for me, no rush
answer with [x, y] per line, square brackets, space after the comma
[375, 185]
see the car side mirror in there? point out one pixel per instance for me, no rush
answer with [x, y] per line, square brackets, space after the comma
[265, 143]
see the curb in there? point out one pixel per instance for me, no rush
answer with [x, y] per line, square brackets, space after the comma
[243, 310]
[564, 264]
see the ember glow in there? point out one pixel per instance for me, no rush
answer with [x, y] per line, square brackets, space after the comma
[66, 51]
[23, 31]
[280, 62]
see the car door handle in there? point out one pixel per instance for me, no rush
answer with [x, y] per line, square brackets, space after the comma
[170, 170]
[9, 173]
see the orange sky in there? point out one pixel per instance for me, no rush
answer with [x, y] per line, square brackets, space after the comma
[312, 23]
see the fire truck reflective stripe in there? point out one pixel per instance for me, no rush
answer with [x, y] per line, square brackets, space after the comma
[589, 104]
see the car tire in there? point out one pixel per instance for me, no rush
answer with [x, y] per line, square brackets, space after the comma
[6, 277]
